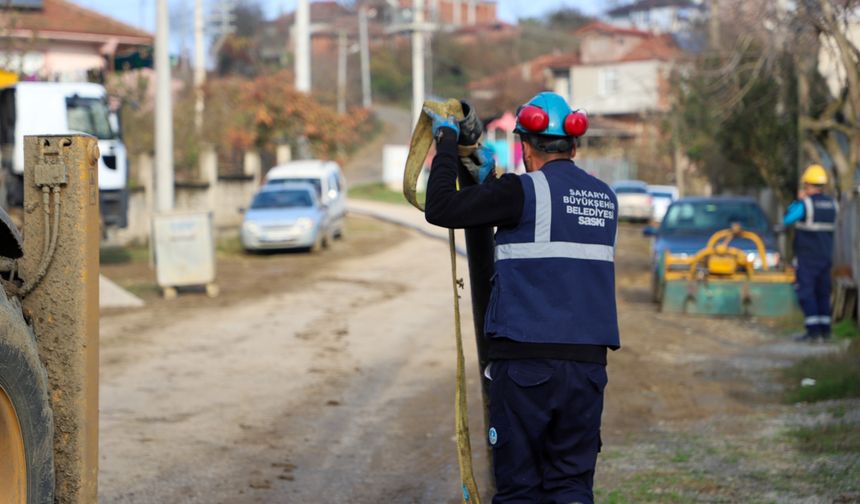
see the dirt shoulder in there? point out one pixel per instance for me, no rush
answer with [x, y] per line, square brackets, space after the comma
[695, 409]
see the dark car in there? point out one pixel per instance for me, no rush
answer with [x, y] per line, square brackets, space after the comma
[690, 222]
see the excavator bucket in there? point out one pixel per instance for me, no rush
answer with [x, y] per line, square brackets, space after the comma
[722, 280]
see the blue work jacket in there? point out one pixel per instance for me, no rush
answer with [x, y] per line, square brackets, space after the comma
[555, 270]
[813, 237]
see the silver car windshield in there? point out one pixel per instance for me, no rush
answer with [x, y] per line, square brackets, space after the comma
[283, 199]
[317, 183]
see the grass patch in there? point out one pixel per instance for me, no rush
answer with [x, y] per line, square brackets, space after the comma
[660, 487]
[380, 192]
[229, 246]
[846, 329]
[837, 376]
[123, 255]
[825, 439]
[681, 457]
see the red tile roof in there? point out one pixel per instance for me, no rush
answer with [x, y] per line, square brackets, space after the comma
[658, 47]
[608, 28]
[532, 69]
[59, 17]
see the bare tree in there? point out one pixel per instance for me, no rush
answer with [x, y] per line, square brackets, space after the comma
[834, 127]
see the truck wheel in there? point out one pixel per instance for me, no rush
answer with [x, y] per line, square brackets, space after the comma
[26, 419]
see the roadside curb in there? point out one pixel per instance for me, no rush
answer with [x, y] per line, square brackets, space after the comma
[427, 230]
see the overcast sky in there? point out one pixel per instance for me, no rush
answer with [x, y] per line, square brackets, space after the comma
[141, 13]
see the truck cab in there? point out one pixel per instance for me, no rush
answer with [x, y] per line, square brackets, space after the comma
[38, 108]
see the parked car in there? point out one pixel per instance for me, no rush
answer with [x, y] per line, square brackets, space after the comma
[285, 216]
[661, 197]
[327, 179]
[690, 222]
[634, 202]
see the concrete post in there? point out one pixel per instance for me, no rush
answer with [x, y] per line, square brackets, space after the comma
[64, 305]
[253, 166]
[341, 72]
[284, 154]
[366, 98]
[163, 112]
[417, 60]
[199, 66]
[302, 44]
[209, 174]
[146, 172]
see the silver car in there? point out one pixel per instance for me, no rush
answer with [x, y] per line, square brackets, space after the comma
[634, 202]
[285, 216]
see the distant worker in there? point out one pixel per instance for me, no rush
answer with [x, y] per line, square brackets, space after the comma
[814, 219]
[552, 314]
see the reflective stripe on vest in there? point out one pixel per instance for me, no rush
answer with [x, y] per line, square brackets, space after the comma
[809, 224]
[569, 250]
[542, 247]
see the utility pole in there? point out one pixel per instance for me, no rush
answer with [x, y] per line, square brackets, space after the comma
[714, 25]
[302, 44]
[163, 113]
[366, 99]
[417, 59]
[222, 23]
[199, 66]
[341, 72]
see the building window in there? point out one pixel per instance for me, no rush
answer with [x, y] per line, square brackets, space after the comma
[607, 82]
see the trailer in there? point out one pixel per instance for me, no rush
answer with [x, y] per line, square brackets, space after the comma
[38, 108]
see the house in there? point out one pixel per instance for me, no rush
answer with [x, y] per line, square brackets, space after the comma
[620, 72]
[658, 16]
[497, 93]
[457, 13]
[59, 40]
[327, 20]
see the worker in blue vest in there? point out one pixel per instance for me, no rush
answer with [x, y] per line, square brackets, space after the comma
[551, 315]
[814, 217]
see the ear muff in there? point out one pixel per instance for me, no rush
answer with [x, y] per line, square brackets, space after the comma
[533, 119]
[576, 123]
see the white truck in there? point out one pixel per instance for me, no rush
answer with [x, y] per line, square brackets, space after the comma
[56, 108]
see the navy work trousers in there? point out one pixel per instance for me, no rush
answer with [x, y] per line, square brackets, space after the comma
[545, 429]
[813, 293]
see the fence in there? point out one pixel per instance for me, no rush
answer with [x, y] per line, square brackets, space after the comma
[846, 259]
[223, 195]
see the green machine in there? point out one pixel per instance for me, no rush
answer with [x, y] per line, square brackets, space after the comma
[722, 280]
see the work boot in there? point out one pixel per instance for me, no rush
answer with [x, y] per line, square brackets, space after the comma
[824, 337]
[807, 337]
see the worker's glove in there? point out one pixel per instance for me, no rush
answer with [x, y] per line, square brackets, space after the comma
[440, 122]
[471, 127]
[481, 164]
